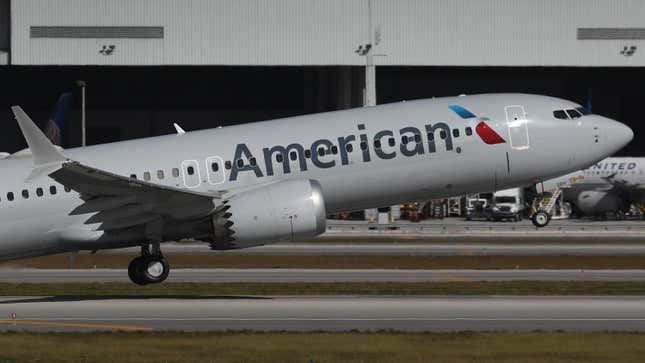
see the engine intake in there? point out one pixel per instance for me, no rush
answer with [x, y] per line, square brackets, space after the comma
[282, 211]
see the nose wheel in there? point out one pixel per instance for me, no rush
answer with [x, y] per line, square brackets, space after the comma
[541, 219]
[149, 268]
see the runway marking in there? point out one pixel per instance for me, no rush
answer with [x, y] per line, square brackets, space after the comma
[74, 325]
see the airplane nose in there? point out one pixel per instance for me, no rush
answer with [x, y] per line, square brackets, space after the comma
[619, 134]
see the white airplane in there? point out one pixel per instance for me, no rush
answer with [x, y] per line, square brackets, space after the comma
[263, 182]
[608, 186]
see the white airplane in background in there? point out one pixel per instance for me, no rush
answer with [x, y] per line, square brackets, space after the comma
[608, 186]
[263, 182]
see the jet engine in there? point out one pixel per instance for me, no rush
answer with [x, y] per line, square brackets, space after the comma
[281, 211]
[596, 202]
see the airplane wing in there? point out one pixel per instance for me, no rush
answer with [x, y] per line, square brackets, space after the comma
[117, 202]
[122, 202]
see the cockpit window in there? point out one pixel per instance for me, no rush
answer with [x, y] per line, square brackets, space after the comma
[583, 111]
[560, 114]
[574, 114]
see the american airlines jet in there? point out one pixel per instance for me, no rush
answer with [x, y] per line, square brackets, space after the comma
[258, 183]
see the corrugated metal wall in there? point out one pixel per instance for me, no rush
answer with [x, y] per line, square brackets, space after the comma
[326, 32]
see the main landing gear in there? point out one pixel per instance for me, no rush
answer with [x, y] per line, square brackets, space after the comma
[149, 268]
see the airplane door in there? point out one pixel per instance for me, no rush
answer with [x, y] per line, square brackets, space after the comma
[215, 170]
[190, 173]
[518, 129]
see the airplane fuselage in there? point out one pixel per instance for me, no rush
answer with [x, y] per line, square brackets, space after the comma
[362, 158]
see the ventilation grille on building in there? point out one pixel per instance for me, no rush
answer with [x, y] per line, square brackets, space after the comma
[134, 32]
[611, 33]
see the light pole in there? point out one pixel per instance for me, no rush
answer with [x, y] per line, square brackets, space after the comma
[82, 84]
[366, 50]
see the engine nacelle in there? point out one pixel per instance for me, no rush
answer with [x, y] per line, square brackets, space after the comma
[276, 212]
[594, 202]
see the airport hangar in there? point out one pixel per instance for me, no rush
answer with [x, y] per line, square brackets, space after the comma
[206, 63]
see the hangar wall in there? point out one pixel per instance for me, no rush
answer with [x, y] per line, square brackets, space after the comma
[300, 33]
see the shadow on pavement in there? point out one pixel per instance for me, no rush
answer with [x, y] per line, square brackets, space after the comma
[72, 298]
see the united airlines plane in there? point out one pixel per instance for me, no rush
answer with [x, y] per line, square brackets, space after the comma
[258, 183]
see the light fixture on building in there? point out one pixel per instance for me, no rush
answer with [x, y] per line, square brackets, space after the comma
[107, 49]
[628, 51]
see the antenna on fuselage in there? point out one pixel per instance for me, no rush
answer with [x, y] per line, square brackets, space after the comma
[179, 130]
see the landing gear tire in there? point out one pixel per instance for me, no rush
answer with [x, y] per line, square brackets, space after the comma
[134, 271]
[541, 219]
[154, 269]
[149, 269]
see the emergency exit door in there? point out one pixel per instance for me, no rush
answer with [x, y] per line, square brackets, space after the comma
[518, 129]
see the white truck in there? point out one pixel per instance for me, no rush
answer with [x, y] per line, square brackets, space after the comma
[507, 204]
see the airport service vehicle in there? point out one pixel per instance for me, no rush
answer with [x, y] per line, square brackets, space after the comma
[507, 204]
[263, 182]
[476, 206]
[607, 187]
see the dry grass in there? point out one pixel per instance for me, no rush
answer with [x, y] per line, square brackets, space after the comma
[323, 347]
[232, 260]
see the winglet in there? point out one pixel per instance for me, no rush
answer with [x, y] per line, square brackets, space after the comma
[43, 151]
[180, 131]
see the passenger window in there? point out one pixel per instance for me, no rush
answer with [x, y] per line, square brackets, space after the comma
[349, 148]
[443, 135]
[279, 158]
[321, 151]
[215, 167]
[240, 163]
[10, 196]
[417, 138]
[190, 170]
[430, 136]
[160, 174]
[334, 149]
[293, 155]
[377, 144]
[133, 176]
[25, 193]
[573, 114]
[560, 114]
[68, 189]
[404, 139]
[391, 142]
[146, 175]
[455, 132]
[175, 172]
[307, 153]
[253, 161]
[469, 131]
[39, 192]
[52, 190]
[228, 165]
[363, 145]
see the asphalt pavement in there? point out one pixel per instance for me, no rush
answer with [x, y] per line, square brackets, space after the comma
[20, 275]
[336, 313]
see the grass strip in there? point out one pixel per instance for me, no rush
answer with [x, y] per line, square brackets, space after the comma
[201, 290]
[533, 347]
[232, 260]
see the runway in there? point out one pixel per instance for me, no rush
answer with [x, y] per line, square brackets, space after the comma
[319, 275]
[403, 249]
[440, 314]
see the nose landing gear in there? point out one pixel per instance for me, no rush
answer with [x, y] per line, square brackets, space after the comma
[149, 268]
